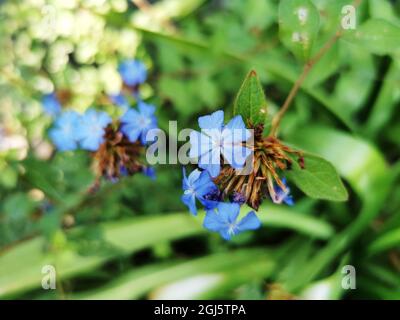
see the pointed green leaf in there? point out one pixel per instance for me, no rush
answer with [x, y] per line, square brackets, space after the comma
[378, 36]
[298, 26]
[250, 102]
[318, 179]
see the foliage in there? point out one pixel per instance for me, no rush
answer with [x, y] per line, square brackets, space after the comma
[134, 239]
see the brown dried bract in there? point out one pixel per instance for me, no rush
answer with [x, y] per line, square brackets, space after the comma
[270, 158]
[117, 156]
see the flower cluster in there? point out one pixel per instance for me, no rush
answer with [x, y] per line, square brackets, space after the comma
[215, 146]
[221, 184]
[117, 144]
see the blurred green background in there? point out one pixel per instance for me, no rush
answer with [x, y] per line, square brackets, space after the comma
[134, 239]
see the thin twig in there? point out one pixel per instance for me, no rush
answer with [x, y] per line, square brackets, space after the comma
[306, 70]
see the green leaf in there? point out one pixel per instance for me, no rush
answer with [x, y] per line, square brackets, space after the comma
[325, 67]
[43, 176]
[385, 103]
[277, 216]
[124, 236]
[250, 102]
[138, 282]
[365, 169]
[387, 241]
[383, 9]
[359, 162]
[318, 179]
[298, 26]
[128, 236]
[378, 36]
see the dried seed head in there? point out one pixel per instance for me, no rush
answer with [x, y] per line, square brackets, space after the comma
[117, 156]
[271, 158]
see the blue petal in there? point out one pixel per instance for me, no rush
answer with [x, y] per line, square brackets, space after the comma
[210, 161]
[212, 121]
[235, 135]
[61, 141]
[193, 177]
[190, 201]
[289, 200]
[228, 211]
[145, 109]
[204, 184]
[63, 134]
[129, 116]
[225, 234]
[209, 204]
[213, 221]
[51, 105]
[150, 172]
[185, 185]
[131, 132]
[236, 123]
[92, 143]
[199, 144]
[212, 169]
[123, 171]
[236, 155]
[90, 130]
[283, 196]
[103, 119]
[249, 222]
[133, 72]
[144, 138]
[136, 124]
[120, 100]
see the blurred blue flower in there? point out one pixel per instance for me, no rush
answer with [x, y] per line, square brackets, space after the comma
[51, 105]
[133, 72]
[136, 124]
[120, 100]
[283, 195]
[63, 134]
[216, 139]
[90, 131]
[150, 172]
[123, 171]
[223, 219]
[198, 185]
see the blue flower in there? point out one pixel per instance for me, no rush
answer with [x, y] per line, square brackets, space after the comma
[282, 195]
[90, 131]
[150, 172]
[123, 171]
[223, 219]
[136, 124]
[216, 139]
[133, 72]
[120, 100]
[198, 185]
[63, 134]
[51, 105]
